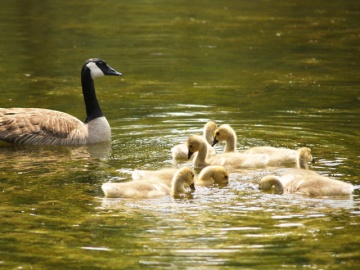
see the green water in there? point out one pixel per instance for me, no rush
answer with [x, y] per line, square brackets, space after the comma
[282, 73]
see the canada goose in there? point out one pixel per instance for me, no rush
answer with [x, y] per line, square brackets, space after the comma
[196, 143]
[277, 156]
[34, 126]
[305, 182]
[208, 176]
[180, 151]
[149, 189]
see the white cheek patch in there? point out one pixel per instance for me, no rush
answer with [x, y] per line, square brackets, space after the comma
[95, 71]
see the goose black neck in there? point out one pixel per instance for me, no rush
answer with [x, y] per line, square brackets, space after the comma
[92, 106]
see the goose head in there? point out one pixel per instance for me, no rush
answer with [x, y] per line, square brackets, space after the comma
[189, 178]
[304, 157]
[269, 181]
[223, 133]
[305, 154]
[194, 144]
[209, 130]
[184, 176]
[98, 67]
[219, 174]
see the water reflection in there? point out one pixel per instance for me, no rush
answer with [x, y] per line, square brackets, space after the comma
[94, 151]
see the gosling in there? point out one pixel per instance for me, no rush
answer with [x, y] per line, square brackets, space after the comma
[305, 182]
[277, 156]
[182, 179]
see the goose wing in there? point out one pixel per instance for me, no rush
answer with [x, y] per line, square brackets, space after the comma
[37, 126]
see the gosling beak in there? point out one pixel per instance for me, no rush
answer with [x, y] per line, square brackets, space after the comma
[190, 154]
[215, 141]
[313, 161]
[192, 186]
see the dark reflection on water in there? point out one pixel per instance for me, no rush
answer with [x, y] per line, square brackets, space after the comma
[281, 73]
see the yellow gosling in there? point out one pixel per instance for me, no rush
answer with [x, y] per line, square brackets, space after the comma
[277, 156]
[212, 175]
[182, 179]
[305, 182]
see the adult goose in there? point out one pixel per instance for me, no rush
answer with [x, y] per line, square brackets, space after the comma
[35, 126]
[305, 182]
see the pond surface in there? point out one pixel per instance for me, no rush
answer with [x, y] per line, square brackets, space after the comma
[281, 73]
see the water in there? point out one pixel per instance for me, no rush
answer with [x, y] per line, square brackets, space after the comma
[281, 73]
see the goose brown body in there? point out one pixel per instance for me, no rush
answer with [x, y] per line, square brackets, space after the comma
[47, 127]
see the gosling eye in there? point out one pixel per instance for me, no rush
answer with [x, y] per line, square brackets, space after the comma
[226, 177]
[217, 133]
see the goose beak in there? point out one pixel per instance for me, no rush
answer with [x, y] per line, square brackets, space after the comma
[192, 186]
[215, 141]
[190, 154]
[111, 71]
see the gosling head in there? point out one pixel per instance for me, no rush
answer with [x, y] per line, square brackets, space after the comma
[210, 126]
[209, 130]
[97, 68]
[194, 144]
[305, 157]
[222, 133]
[269, 181]
[220, 175]
[187, 176]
